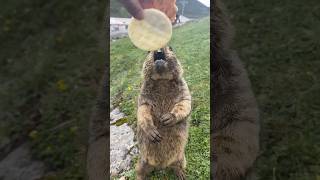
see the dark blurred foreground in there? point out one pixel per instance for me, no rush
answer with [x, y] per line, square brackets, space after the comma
[279, 42]
[51, 62]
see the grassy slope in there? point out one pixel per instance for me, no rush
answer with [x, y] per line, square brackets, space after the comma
[191, 44]
[50, 62]
[280, 44]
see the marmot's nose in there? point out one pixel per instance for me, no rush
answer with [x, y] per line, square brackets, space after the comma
[160, 65]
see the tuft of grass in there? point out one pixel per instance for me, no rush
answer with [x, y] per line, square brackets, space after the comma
[191, 43]
[279, 43]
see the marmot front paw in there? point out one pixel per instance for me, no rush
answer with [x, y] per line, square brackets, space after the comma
[153, 134]
[168, 119]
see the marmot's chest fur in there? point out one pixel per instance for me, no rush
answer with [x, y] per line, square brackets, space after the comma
[164, 95]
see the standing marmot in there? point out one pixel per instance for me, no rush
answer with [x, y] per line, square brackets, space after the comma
[164, 105]
[235, 133]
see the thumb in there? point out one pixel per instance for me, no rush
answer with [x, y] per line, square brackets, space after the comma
[134, 8]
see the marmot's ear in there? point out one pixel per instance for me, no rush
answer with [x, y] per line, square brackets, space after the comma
[170, 48]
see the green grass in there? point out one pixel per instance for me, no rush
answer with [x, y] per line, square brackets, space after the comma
[280, 44]
[50, 64]
[191, 44]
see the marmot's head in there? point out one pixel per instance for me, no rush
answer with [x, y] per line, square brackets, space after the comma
[162, 65]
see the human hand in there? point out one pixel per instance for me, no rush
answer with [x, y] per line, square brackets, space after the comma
[135, 7]
[166, 6]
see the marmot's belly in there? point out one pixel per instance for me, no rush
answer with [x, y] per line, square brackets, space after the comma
[169, 150]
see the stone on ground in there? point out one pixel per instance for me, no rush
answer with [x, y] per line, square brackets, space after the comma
[121, 142]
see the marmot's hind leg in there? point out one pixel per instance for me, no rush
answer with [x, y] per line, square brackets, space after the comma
[143, 169]
[179, 168]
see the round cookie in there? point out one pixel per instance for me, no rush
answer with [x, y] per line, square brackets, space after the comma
[151, 33]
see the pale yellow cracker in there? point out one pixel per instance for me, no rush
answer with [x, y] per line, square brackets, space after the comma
[151, 33]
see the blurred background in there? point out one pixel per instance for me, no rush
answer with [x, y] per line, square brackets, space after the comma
[51, 62]
[279, 43]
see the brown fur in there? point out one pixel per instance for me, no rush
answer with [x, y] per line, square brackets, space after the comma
[97, 158]
[162, 97]
[99, 132]
[235, 133]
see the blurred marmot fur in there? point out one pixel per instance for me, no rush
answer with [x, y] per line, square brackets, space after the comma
[235, 133]
[164, 105]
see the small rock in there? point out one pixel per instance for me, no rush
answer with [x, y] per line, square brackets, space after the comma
[116, 115]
